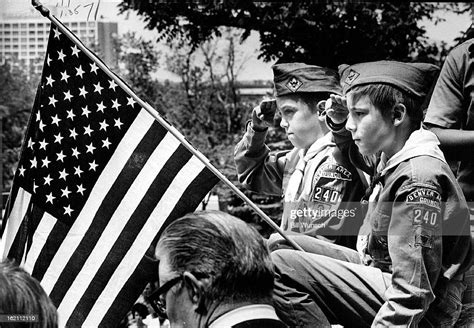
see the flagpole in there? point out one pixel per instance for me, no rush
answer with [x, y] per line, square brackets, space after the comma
[45, 12]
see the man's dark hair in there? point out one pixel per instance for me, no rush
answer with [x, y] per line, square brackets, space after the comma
[224, 249]
[384, 97]
[22, 294]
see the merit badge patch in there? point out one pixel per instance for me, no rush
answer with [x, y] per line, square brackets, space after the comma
[351, 77]
[294, 84]
[423, 237]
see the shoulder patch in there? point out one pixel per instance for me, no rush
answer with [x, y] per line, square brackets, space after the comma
[424, 196]
[333, 171]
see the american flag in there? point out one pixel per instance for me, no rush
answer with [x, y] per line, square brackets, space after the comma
[98, 180]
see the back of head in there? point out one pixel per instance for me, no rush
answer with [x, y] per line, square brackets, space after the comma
[309, 82]
[387, 83]
[21, 294]
[224, 249]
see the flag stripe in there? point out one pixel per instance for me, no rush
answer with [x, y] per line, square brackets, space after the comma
[138, 198]
[132, 228]
[39, 240]
[20, 207]
[129, 259]
[118, 160]
[191, 199]
[146, 271]
[48, 252]
[120, 197]
[34, 216]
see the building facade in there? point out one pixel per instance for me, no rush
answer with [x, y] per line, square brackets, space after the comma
[24, 38]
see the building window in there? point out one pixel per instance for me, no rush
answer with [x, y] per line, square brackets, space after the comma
[23, 25]
[31, 25]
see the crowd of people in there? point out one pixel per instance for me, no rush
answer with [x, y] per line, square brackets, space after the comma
[377, 190]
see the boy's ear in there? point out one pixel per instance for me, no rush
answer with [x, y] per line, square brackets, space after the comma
[399, 114]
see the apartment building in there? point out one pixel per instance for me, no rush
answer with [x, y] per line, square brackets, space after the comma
[24, 37]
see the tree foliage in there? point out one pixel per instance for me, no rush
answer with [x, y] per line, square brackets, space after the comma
[16, 98]
[322, 33]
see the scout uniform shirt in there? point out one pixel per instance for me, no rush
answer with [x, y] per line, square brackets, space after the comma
[419, 230]
[452, 105]
[321, 189]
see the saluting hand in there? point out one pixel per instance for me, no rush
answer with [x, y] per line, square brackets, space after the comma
[336, 109]
[264, 114]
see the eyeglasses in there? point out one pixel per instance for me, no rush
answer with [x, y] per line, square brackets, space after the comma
[157, 298]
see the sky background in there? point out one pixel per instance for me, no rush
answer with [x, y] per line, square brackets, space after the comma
[254, 68]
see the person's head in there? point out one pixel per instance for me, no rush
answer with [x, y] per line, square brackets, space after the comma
[300, 91]
[385, 101]
[140, 310]
[208, 258]
[22, 294]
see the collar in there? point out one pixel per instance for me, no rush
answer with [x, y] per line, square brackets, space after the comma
[244, 313]
[420, 143]
[316, 147]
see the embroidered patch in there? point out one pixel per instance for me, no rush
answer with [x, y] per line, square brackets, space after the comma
[423, 237]
[294, 84]
[333, 171]
[351, 77]
[326, 195]
[425, 196]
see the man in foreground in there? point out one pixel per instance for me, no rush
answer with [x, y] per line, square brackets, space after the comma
[214, 271]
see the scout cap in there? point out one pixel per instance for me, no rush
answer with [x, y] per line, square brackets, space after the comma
[299, 77]
[416, 79]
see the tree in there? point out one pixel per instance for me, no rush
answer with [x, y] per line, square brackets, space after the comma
[16, 96]
[321, 33]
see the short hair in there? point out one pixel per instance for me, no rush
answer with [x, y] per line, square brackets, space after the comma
[224, 249]
[22, 294]
[310, 98]
[384, 97]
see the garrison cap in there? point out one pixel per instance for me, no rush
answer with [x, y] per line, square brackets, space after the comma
[299, 77]
[416, 79]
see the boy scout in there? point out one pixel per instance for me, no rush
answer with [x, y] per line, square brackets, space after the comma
[315, 178]
[419, 239]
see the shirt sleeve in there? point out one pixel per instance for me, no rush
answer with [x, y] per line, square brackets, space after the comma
[258, 169]
[447, 104]
[415, 246]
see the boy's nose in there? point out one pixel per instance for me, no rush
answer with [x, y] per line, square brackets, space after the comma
[283, 123]
[350, 124]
